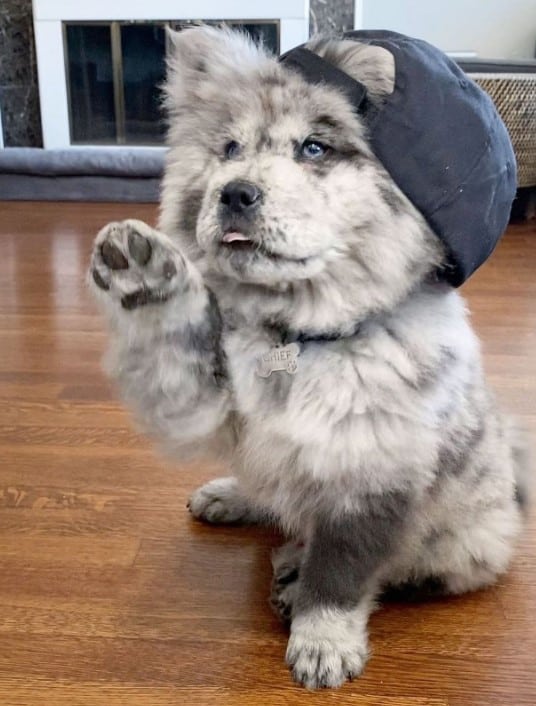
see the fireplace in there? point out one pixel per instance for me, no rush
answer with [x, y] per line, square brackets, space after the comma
[100, 63]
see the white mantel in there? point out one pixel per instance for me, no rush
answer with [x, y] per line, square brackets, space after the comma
[293, 16]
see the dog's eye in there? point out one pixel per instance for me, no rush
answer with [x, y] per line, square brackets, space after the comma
[312, 149]
[232, 149]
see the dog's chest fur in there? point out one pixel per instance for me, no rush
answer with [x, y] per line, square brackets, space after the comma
[364, 411]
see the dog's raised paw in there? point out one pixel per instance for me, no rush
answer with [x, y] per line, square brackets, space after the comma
[135, 264]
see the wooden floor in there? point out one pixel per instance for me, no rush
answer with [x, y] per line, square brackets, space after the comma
[110, 594]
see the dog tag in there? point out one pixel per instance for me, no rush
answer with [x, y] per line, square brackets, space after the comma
[279, 358]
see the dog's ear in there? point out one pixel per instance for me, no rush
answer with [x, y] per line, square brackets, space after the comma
[207, 55]
[373, 66]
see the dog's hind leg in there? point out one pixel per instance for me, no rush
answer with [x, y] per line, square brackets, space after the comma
[286, 563]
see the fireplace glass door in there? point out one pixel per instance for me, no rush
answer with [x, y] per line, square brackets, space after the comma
[114, 73]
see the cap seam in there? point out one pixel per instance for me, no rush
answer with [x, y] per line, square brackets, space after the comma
[452, 194]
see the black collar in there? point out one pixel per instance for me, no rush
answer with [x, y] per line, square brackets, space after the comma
[290, 336]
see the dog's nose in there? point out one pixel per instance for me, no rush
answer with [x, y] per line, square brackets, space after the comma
[240, 196]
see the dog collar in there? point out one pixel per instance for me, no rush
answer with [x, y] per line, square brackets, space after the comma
[287, 335]
[284, 355]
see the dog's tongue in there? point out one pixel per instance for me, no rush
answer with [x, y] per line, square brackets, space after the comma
[234, 236]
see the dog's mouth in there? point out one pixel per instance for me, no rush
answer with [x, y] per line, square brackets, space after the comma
[235, 241]
[246, 256]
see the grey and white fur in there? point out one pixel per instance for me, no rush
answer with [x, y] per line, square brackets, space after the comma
[384, 458]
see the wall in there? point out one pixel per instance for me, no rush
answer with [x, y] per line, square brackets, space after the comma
[503, 29]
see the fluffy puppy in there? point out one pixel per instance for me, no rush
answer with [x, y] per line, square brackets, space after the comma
[379, 451]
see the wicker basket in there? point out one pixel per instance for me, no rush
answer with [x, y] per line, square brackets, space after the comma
[515, 97]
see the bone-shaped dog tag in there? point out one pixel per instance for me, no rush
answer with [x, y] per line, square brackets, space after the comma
[279, 358]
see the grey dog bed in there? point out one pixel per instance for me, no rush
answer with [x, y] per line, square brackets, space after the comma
[118, 174]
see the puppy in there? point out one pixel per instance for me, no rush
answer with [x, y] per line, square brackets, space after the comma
[285, 316]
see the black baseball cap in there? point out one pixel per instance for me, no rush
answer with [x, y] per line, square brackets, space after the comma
[441, 139]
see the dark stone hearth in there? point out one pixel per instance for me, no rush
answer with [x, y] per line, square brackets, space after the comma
[20, 116]
[331, 16]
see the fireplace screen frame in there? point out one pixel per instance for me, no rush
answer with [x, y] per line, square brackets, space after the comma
[52, 16]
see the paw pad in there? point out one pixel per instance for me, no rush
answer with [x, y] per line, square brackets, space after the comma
[101, 284]
[140, 248]
[113, 257]
[169, 270]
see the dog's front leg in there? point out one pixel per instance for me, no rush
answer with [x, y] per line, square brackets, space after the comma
[335, 590]
[166, 350]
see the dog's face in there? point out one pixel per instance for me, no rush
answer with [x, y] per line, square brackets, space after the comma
[270, 180]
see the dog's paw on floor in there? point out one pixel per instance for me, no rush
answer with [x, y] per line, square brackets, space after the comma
[327, 647]
[220, 502]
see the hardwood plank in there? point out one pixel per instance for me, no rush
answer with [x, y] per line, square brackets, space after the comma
[66, 550]
[62, 693]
